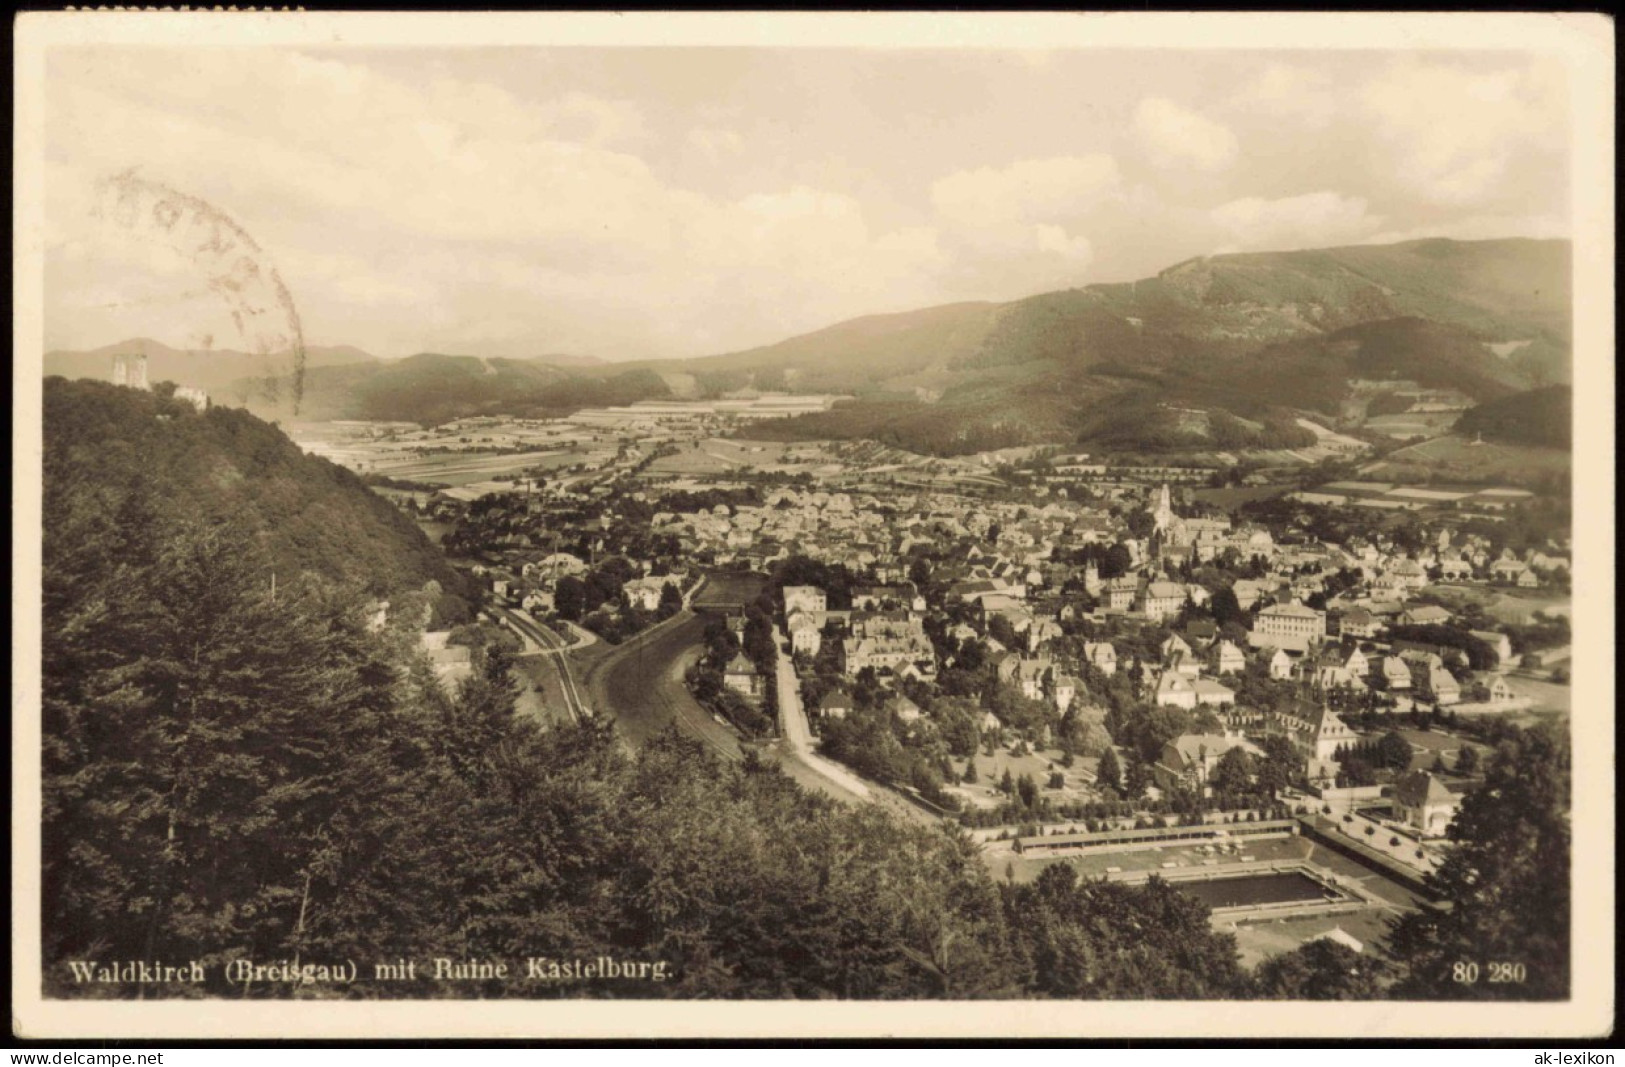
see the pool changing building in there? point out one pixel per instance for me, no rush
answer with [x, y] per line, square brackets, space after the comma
[1157, 837]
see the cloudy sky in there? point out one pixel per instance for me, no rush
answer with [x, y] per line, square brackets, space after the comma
[644, 202]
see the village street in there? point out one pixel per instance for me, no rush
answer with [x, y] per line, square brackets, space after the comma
[798, 736]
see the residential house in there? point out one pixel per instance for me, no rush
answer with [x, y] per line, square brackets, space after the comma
[741, 676]
[1188, 761]
[1511, 572]
[644, 593]
[1119, 593]
[804, 598]
[1422, 801]
[1390, 587]
[1174, 644]
[904, 708]
[1455, 568]
[1358, 622]
[1226, 658]
[1441, 686]
[1102, 655]
[1336, 676]
[1032, 675]
[877, 597]
[451, 663]
[1212, 693]
[1042, 632]
[559, 564]
[887, 641]
[835, 704]
[805, 637]
[1282, 664]
[1161, 599]
[1064, 689]
[1410, 571]
[1395, 674]
[1174, 690]
[1424, 615]
[1315, 730]
[1200, 633]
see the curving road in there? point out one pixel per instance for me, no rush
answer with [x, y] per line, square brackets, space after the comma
[641, 684]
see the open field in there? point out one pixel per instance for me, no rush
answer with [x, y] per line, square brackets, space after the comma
[719, 455]
[462, 468]
[1413, 423]
[1545, 697]
[1517, 606]
[983, 793]
[1232, 497]
[454, 455]
[724, 590]
[1460, 458]
[1425, 744]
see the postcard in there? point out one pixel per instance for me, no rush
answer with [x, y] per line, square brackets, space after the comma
[813, 525]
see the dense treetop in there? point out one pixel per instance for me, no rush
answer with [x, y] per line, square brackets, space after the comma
[107, 446]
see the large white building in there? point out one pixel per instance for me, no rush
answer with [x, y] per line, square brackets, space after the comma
[804, 598]
[1291, 626]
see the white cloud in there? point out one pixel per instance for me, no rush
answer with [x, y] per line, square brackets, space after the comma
[1176, 136]
[1455, 133]
[1286, 91]
[1028, 191]
[1307, 221]
[445, 195]
[1056, 241]
[407, 208]
[715, 143]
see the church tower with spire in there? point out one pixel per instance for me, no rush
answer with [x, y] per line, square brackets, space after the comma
[1164, 513]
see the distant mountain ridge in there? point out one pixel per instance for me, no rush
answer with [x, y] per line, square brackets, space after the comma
[210, 369]
[1255, 335]
[433, 388]
[1259, 336]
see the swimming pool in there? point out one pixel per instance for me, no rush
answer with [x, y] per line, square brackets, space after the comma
[1274, 888]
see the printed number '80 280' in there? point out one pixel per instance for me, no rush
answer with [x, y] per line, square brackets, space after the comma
[1468, 973]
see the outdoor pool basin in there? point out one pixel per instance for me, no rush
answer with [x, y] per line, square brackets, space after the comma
[1251, 890]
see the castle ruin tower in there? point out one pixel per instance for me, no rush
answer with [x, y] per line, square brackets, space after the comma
[130, 370]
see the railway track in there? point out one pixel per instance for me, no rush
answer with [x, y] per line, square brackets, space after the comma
[554, 647]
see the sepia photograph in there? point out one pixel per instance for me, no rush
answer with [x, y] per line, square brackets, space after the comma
[817, 525]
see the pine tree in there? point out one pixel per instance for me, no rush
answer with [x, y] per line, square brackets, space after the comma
[1504, 887]
[1109, 773]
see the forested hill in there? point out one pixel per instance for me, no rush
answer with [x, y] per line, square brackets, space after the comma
[1541, 417]
[1260, 336]
[431, 388]
[114, 450]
